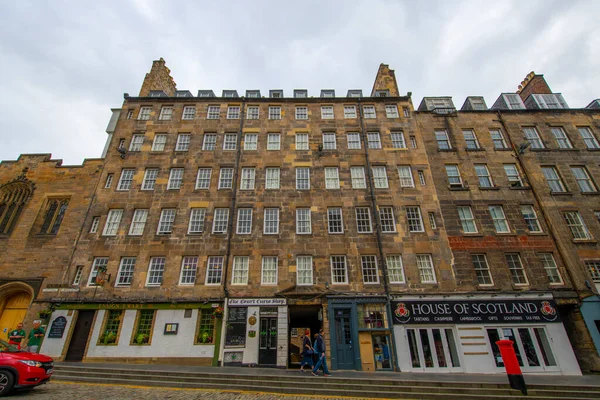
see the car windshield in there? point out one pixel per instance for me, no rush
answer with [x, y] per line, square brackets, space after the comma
[7, 348]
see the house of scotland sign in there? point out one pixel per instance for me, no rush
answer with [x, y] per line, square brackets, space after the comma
[474, 311]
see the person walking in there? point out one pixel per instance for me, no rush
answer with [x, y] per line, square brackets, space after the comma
[307, 351]
[320, 350]
[16, 336]
[35, 337]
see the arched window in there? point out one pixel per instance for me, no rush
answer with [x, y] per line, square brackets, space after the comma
[55, 211]
[13, 197]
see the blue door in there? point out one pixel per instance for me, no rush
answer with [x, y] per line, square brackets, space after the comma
[343, 339]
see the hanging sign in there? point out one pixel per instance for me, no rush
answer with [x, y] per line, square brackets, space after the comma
[474, 311]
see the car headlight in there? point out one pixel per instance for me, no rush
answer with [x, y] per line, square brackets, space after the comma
[31, 363]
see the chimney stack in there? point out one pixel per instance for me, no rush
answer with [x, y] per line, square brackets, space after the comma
[159, 78]
[533, 84]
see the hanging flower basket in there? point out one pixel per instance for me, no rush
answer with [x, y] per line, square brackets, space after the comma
[218, 313]
[45, 314]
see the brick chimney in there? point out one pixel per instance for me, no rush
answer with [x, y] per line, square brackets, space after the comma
[385, 79]
[533, 84]
[159, 78]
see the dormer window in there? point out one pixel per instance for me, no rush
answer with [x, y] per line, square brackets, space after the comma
[253, 94]
[157, 93]
[206, 93]
[230, 93]
[514, 102]
[382, 93]
[275, 94]
[300, 94]
[328, 93]
[546, 101]
[354, 93]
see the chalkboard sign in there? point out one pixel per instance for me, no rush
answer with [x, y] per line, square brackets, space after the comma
[57, 329]
[236, 326]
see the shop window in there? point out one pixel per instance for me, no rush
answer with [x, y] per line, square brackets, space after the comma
[144, 324]
[205, 332]
[433, 348]
[532, 346]
[111, 329]
[381, 352]
[372, 316]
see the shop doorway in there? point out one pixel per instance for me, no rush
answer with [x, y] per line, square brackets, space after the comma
[532, 347]
[14, 312]
[433, 349]
[343, 338]
[267, 353]
[302, 318]
[80, 335]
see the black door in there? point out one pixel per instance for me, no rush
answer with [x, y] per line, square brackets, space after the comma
[343, 339]
[267, 354]
[80, 336]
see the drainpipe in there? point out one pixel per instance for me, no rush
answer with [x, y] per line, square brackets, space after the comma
[382, 262]
[537, 199]
[238, 155]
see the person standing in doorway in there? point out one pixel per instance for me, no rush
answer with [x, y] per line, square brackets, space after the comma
[35, 337]
[307, 351]
[16, 336]
[320, 350]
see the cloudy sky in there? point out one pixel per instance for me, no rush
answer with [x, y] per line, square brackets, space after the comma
[64, 64]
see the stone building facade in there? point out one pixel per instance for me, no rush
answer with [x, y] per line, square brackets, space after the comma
[43, 206]
[223, 227]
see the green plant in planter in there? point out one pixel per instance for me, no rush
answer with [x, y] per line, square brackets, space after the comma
[45, 314]
[108, 337]
[142, 338]
[205, 337]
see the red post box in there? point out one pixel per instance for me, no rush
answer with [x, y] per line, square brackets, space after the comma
[513, 370]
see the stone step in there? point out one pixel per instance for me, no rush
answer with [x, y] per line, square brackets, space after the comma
[315, 385]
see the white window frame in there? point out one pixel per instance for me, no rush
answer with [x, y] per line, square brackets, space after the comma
[513, 175]
[253, 112]
[499, 218]
[369, 112]
[214, 269]
[442, 139]
[421, 175]
[156, 271]
[159, 142]
[353, 141]
[514, 272]
[126, 270]
[395, 267]
[272, 178]
[244, 221]
[329, 141]
[588, 137]
[576, 225]
[274, 112]
[533, 137]
[553, 179]
[583, 179]
[471, 139]
[327, 112]
[166, 113]
[529, 214]
[332, 178]
[482, 172]
[369, 269]
[416, 218]
[126, 179]
[303, 221]
[137, 140]
[144, 114]
[373, 140]
[426, 268]
[95, 224]
[248, 179]
[189, 113]
[233, 112]
[197, 218]
[380, 179]
[300, 180]
[138, 222]
[269, 274]
[452, 177]
[239, 270]
[271, 220]
[230, 142]
[387, 219]
[209, 142]
[302, 112]
[166, 221]
[363, 220]
[552, 271]
[330, 214]
[273, 144]
[561, 137]
[349, 111]
[406, 177]
[466, 217]
[113, 220]
[225, 176]
[398, 141]
[109, 180]
[187, 276]
[149, 182]
[358, 178]
[202, 180]
[339, 260]
[391, 111]
[213, 112]
[78, 274]
[498, 139]
[99, 262]
[482, 270]
[413, 142]
[175, 178]
[250, 141]
[302, 141]
[220, 219]
[304, 275]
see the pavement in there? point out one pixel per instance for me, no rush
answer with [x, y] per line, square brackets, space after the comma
[533, 379]
[59, 390]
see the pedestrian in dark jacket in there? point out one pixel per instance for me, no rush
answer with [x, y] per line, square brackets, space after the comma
[307, 351]
[320, 351]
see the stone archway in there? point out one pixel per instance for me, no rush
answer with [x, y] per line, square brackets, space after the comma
[15, 299]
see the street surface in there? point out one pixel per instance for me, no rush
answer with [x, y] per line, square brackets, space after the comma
[88, 391]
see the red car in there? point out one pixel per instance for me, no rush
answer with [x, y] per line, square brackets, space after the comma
[21, 369]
